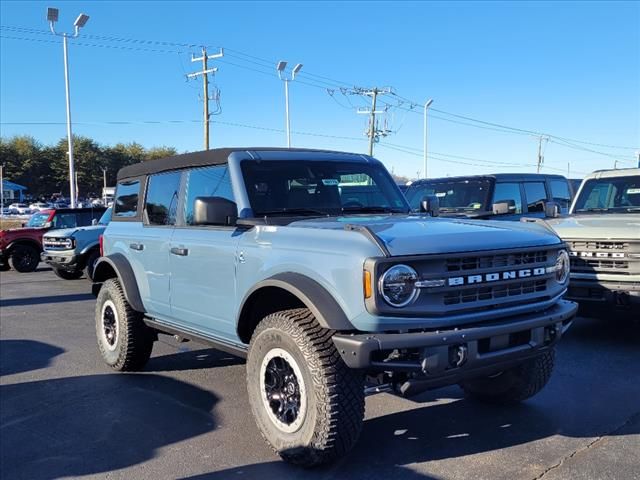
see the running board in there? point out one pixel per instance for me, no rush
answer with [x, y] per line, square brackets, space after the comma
[199, 337]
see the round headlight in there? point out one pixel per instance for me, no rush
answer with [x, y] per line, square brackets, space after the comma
[68, 243]
[562, 266]
[398, 285]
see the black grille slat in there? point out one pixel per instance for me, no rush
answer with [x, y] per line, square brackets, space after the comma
[495, 261]
[469, 295]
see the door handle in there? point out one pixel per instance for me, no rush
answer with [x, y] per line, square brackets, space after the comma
[183, 252]
[136, 246]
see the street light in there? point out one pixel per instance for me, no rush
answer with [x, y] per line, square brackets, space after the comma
[426, 106]
[280, 67]
[81, 21]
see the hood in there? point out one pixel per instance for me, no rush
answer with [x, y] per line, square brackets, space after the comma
[69, 232]
[598, 226]
[20, 231]
[419, 235]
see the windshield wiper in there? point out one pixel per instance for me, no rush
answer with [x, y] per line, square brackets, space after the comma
[294, 211]
[633, 209]
[593, 210]
[372, 209]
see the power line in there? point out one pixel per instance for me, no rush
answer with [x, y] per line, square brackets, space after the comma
[317, 81]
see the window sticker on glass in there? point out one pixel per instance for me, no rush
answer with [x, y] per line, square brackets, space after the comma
[633, 191]
[330, 182]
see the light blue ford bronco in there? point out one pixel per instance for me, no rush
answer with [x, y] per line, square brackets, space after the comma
[311, 265]
[72, 252]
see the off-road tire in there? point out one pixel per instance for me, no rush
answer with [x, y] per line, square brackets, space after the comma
[514, 385]
[133, 342]
[334, 393]
[90, 265]
[24, 258]
[67, 274]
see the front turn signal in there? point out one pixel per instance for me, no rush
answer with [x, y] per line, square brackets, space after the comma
[366, 280]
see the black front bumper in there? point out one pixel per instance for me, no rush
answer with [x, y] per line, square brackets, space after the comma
[607, 293]
[60, 260]
[453, 352]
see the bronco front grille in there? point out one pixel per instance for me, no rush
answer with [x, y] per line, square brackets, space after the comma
[52, 243]
[464, 283]
[603, 256]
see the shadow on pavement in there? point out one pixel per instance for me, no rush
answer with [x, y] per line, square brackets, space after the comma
[17, 356]
[192, 360]
[74, 297]
[94, 424]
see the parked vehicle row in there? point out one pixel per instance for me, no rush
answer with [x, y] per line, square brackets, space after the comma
[20, 248]
[316, 268]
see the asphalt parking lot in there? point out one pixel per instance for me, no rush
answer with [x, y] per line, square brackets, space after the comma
[64, 414]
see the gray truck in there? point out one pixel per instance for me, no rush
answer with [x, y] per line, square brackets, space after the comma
[72, 252]
[311, 265]
[603, 236]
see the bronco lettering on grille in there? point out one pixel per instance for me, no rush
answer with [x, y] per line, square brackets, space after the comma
[494, 277]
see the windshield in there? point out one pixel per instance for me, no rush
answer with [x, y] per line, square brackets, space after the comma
[319, 188]
[615, 195]
[455, 195]
[38, 220]
[106, 217]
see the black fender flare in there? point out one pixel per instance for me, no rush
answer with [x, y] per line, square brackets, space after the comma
[315, 297]
[24, 241]
[119, 264]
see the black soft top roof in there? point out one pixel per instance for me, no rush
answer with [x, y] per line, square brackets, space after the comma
[216, 156]
[514, 177]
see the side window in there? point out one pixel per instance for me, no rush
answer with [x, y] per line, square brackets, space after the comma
[161, 203]
[536, 196]
[508, 191]
[126, 204]
[206, 182]
[560, 192]
[84, 219]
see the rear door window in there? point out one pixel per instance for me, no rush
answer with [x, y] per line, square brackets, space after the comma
[536, 196]
[505, 192]
[161, 204]
[560, 192]
[126, 204]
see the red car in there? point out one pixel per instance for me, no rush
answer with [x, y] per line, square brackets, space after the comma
[20, 247]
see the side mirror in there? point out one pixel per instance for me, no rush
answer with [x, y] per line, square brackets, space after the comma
[48, 224]
[214, 211]
[431, 205]
[503, 207]
[94, 221]
[551, 209]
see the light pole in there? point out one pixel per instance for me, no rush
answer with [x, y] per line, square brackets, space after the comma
[81, 21]
[426, 107]
[283, 76]
[104, 186]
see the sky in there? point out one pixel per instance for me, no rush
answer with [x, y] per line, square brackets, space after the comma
[569, 72]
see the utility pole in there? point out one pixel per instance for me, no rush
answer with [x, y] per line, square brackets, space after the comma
[426, 107]
[615, 164]
[205, 83]
[373, 132]
[540, 155]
